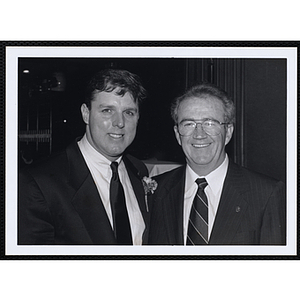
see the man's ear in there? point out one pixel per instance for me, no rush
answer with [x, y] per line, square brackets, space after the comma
[85, 112]
[229, 132]
[177, 135]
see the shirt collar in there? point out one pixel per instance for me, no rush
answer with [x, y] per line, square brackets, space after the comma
[89, 151]
[214, 179]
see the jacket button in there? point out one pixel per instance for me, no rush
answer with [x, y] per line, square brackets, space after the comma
[237, 209]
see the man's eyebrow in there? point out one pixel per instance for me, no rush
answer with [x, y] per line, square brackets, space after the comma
[131, 108]
[199, 120]
[106, 105]
[113, 106]
[188, 119]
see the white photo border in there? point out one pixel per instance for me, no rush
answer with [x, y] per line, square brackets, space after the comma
[11, 142]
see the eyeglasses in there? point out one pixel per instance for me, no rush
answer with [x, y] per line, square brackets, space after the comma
[211, 127]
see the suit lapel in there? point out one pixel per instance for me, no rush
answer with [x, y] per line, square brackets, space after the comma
[136, 181]
[172, 200]
[87, 201]
[89, 206]
[135, 177]
[232, 208]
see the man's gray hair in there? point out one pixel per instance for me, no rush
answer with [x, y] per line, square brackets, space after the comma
[206, 90]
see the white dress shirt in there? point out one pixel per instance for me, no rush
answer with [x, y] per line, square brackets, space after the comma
[99, 167]
[213, 192]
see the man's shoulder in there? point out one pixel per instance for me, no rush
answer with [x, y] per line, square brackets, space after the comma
[173, 180]
[136, 163]
[57, 162]
[170, 176]
[48, 161]
[250, 176]
[133, 159]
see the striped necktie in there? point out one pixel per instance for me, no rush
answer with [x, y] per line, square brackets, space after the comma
[119, 211]
[198, 221]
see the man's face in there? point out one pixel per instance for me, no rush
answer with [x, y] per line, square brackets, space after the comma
[204, 153]
[111, 123]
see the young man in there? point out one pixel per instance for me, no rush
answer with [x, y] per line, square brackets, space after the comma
[91, 193]
[211, 200]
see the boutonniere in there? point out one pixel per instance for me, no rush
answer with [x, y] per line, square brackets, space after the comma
[150, 185]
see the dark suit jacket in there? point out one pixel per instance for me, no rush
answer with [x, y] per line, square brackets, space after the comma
[59, 202]
[251, 210]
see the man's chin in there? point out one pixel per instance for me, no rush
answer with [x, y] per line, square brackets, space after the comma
[116, 153]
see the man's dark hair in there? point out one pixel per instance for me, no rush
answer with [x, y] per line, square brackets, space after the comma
[206, 90]
[111, 79]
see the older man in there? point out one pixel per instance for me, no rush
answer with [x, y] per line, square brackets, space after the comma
[91, 193]
[211, 200]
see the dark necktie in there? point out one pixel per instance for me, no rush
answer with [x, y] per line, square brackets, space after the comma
[118, 206]
[198, 222]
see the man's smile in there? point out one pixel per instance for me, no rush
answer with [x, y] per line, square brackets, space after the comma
[115, 135]
[201, 145]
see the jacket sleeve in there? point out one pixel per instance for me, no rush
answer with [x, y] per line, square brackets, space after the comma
[35, 224]
[273, 228]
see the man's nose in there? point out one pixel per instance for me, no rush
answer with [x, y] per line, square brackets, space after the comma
[118, 120]
[199, 132]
